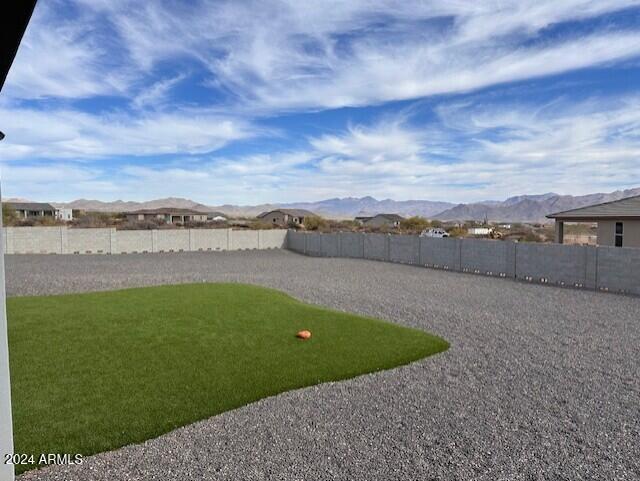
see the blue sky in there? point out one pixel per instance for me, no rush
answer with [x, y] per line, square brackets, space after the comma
[274, 101]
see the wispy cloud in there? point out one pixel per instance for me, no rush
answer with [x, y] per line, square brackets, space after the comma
[290, 54]
[493, 150]
[57, 133]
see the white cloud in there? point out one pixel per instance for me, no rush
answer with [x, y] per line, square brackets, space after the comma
[492, 151]
[279, 54]
[71, 134]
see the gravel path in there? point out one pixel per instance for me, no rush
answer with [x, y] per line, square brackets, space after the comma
[540, 382]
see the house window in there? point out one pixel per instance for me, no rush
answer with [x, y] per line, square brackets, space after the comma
[619, 232]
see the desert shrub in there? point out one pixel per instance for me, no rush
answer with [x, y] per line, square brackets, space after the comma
[414, 224]
[315, 223]
[457, 232]
[9, 215]
[261, 225]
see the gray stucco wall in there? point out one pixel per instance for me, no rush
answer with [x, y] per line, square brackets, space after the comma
[330, 244]
[404, 249]
[440, 253]
[313, 244]
[606, 268]
[552, 263]
[351, 245]
[376, 246]
[618, 269]
[488, 257]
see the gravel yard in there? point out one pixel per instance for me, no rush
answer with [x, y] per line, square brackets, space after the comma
[539, 382]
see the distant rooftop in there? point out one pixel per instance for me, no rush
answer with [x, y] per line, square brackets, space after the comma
[31, 206]
[167, 210]
[394, 217]
[293, 212]
[627, 208]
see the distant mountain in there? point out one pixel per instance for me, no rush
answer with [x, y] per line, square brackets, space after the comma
[350, 207]
[338, 208]
[531, 208]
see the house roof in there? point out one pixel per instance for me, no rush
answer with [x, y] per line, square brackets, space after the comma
[31, 206]
[392, 217]
[167, 210]
[627, 208]
[293, 212]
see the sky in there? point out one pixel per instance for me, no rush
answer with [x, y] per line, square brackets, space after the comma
[247, 102]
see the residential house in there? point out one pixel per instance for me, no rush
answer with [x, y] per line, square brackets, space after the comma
[167, 214]
[63, 213]
[285, 217]
[383, 220]
[25, 210]
[618, 221]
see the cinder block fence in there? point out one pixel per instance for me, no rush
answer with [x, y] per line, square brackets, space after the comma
[603, 268]
[62, 240]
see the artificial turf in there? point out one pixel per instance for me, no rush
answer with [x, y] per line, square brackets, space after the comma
[93, 372]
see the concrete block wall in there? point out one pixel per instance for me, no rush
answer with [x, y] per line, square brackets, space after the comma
[376, 246]
[270, 239]
[487, 257]
[208, 239]
[87, 241]
[351, 245]
[440, 253]
[62, 240]
[618, 269]
[552, 264]
[404, 249]
[133, 241]
[604, 268]
[244, 239]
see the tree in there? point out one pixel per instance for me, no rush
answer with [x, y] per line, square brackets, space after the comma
[414, 224]
[9, 215]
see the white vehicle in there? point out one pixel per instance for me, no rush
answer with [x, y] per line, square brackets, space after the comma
[434, 232]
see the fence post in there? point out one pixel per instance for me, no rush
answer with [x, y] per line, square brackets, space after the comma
[591, 267]
[64, 240]
[229, 239]
[458, 264]
[388, 255]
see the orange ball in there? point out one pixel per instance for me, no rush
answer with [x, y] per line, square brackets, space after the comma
[304, 334]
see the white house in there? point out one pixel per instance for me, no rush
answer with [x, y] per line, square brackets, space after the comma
[63, 213]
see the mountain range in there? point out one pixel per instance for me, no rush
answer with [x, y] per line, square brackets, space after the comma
[522, 208]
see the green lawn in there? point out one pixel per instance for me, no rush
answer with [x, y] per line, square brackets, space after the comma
[93, 372]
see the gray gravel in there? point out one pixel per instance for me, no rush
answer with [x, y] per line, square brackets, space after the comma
[540, 382]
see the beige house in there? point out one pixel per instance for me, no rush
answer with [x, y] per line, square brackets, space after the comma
[286, 216]
[380, 220]
[618, 221]
[169, 215]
